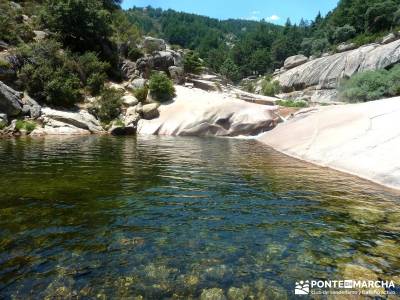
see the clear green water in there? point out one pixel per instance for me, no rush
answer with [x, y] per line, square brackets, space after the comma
[166, 218]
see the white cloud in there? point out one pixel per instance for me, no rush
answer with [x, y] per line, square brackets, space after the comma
[255, 12]
[273, 18]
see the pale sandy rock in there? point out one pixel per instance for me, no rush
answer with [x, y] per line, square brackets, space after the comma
[54, 127]
[200, 113]
[81, 119]
[361, 139]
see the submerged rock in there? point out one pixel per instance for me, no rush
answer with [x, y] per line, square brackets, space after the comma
[213, 294]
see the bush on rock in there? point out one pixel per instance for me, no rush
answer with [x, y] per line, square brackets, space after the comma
[371, 85]
[108, 106]
[161, 87]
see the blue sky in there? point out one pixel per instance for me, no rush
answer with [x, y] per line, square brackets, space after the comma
[276, 11]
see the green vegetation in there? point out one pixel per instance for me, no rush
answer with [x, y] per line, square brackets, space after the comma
[270, 87]
[230, 70]
[192, 63]
[48, 73]
[108, 105]
[13, 30]
[2, 125]
[371, 85]
[261, 47]
[92, 71]
[292, 103]
[25, 125]
[141, 94]
[161, 87]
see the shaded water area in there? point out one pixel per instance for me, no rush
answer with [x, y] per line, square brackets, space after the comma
[168, 218]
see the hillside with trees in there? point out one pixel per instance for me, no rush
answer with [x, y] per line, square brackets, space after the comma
[240, 48]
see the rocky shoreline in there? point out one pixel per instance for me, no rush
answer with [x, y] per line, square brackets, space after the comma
[357, 139]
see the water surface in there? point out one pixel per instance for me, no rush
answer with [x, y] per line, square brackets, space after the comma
[166, 218]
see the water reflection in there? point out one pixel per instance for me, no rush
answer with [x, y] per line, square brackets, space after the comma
[177, 217]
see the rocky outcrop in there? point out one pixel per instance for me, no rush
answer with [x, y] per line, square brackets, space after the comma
[294, 61]
[359, 139]
[177, 74]
[151, 44]
[128, 69]
[200, 113]
[346, 47]
[10, 100]
[160, 61]
[326, 72]
[67, 122]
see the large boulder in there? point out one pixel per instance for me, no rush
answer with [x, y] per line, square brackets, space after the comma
[294, 61]
[360, 139]
[80, 119]
[150, 111]
[199, 113]
[346, 47]
[177, 74]
[129, 100]
[162, 60]
[327, 72]
[151, 44]
[10, 100]
[35, 110]
[138, 83]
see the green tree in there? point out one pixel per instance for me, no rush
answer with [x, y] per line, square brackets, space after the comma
[81, 24]
[344, 33]
[230, 70]
[192, 63]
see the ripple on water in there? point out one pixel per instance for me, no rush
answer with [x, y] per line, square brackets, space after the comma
[161, 217]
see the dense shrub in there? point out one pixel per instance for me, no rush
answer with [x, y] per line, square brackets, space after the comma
[141, 94]
[134, 53]
[161, 87]
[92, 71]
[344, 33]
[49, 74]
[108, 106]
[270, 87]
[371, 85]
[3, 125]
[25, 125]
[12, 28]
[192, 63]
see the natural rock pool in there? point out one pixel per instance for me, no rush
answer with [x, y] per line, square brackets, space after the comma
[170, 218]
